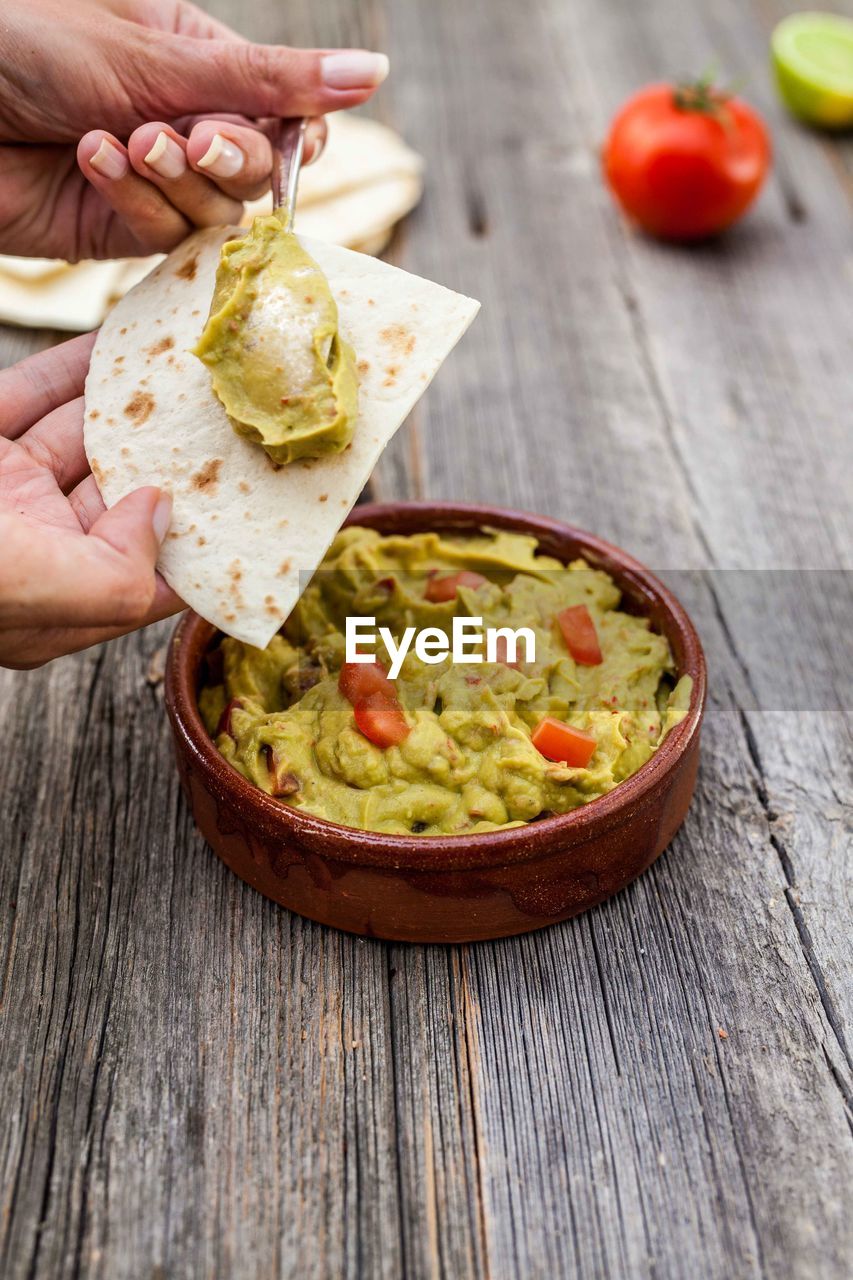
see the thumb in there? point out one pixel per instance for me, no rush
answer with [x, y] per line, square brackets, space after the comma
[134, 529]
[263, 80]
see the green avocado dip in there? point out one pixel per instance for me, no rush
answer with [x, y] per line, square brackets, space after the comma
[277, 361]
[447, 748]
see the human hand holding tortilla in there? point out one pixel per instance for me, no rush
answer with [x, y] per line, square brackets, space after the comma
[124, 65]
[72, 573]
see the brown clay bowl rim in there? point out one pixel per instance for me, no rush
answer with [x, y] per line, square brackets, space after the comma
[460, 852]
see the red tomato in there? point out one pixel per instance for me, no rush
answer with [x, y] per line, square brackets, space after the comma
[380, 720]
[559, 741]
[360, 679]
[502, 653]
[580, 635]
[439, 590]
[686, 161]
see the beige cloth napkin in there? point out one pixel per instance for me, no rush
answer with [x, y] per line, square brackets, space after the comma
[365, 181]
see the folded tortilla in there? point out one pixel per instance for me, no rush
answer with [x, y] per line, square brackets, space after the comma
[245, 536]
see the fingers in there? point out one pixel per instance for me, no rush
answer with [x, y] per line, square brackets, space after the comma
[158, 153]
[150, 217]
[315, 139]
[86, 502]
[35, 386]
[23, 648]
[105, 579]
[238, 159]
[199, 76]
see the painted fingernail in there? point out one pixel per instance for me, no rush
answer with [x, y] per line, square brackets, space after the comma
[223, 159]
[166, 158]
[162, 517]
[109, 162]
[354, 69]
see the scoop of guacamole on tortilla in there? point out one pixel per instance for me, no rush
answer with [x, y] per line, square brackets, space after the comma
[284, 374]
[449, 748]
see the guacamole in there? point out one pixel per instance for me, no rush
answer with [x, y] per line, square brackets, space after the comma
[459, 754]
[278, 364]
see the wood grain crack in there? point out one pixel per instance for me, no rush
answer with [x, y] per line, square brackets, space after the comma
[803, 932]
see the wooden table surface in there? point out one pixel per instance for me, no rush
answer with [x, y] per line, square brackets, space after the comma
[198, 1084]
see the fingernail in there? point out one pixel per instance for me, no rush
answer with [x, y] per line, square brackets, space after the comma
[315, 138]
[166, 157]
[223, 159]
[162, 517]
[109, 162]
[354, 69]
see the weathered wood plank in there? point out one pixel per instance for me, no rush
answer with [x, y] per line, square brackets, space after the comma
[198, 1083]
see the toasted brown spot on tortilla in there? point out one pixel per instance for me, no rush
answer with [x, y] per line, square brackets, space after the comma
[276, 466]
[157, 348]
[391, 370]
[235, 570]
[124, 451]
[195, 313]
[243, 487]
[111, 422]
[363, 366]
[208, 476]
[97, 469]
[191, 528]
[96, 413]
[230, 617]
[187, 270]
[123, 331]
[139, 408]
[400, 339]
[309, 299]
[284, 567]
[324, 497]
[173, 533]
[370, 302]
[201, 540]
[118, 359]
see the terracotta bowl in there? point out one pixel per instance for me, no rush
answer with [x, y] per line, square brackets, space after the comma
[454, 888]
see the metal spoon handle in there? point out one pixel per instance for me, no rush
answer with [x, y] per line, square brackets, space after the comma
[288, 140]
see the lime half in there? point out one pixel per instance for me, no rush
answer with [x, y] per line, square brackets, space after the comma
[813, 60]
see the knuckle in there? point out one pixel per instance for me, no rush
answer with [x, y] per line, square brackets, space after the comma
[133, 598]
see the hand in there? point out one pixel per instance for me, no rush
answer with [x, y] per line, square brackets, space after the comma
[68, 69]
[71, 572]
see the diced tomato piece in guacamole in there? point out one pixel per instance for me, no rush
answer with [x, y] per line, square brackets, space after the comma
[440, 590]
[562, 742]
[359, 680]
[580, 635]
[381, 721]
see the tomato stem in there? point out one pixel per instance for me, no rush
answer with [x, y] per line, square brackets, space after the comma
[703, 97]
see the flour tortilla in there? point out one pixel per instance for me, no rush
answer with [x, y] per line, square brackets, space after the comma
[246, 537]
